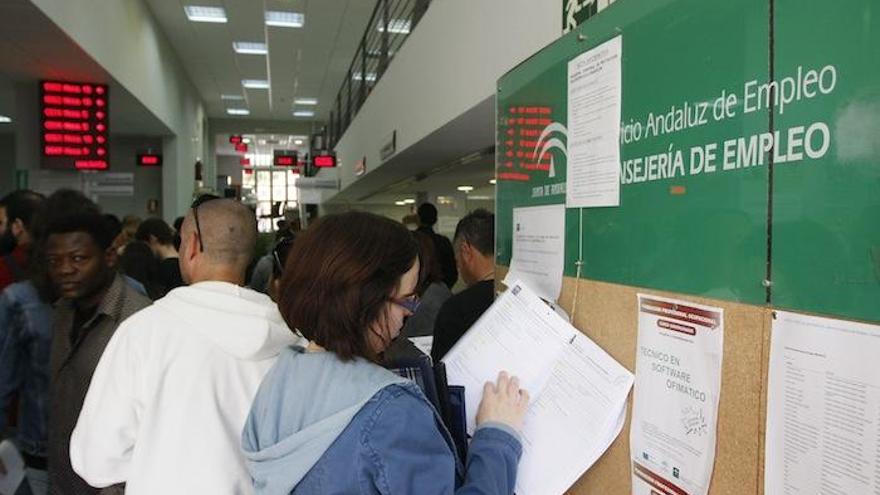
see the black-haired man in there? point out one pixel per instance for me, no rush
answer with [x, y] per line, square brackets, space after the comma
[20, 208]
[442, 247]
[160, 237]
[475, 256]
[94, 301]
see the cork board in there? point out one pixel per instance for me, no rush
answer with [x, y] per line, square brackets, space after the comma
[608, 314]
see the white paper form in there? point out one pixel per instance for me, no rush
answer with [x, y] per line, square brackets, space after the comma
[823, 407]
[578, 403]
[574, 420]
[593, 157]
[677, 388]
[520, 334]
[538, 249]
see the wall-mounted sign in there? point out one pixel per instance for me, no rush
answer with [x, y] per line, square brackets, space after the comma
[284, 158]
[248, 171]
[149, 160]
[235, 139]
[74, 125]
[389, 146]
[324, 161]
[244, 162]
[241, 148]
[360, 166]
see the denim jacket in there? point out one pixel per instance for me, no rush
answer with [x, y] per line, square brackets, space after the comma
[25, 341]
[321, 426]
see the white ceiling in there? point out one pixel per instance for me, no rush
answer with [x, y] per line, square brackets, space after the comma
[302, 62]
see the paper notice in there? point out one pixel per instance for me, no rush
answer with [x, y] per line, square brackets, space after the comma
[594, 91]
[823, 407]
[675, 406]
[538, 249]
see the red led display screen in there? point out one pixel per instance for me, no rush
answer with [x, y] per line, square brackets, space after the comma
[323, 161]
[284, 158]
[149, 160]
[74, 125]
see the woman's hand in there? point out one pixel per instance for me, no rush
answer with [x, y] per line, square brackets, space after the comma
[503, 402]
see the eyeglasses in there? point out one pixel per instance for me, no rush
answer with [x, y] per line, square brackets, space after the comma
[280, 251]
[409, 303]
[204, 198]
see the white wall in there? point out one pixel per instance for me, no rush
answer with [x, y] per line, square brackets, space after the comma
[448, 65]
[124, 38]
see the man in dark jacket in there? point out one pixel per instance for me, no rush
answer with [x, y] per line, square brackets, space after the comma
[475, 254]
[94, 301]
[442, 247]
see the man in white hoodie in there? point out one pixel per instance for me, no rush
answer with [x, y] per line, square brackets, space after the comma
[166, 407]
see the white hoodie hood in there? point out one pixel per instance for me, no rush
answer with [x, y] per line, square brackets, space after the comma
[242, 322]
[168, 400]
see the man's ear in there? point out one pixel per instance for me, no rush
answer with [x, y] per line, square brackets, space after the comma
[111, 256]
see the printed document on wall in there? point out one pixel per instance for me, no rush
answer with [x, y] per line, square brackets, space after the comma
[578, 392]
[675, 406]
[594, 92]
[538, 249]
[823, 406]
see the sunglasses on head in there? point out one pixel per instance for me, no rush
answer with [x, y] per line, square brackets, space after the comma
[202, 199]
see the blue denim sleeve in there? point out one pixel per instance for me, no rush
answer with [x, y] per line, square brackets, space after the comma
[10, 375]
[409, 454]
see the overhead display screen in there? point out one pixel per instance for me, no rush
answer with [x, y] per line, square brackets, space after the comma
[74, 125]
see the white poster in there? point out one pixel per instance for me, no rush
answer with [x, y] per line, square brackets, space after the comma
[823, 407]
[677, 386]
[538, 249]
[594, 90]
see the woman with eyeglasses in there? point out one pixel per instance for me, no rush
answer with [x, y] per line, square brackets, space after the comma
[329, 418]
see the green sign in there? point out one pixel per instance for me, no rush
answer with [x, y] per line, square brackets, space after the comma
[741, 179]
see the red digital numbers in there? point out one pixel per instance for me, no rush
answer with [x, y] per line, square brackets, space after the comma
[74, 125]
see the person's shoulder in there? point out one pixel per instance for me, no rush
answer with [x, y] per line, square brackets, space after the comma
[134, 300]
[397, 404]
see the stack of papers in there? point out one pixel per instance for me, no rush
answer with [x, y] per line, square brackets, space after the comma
[578, 391]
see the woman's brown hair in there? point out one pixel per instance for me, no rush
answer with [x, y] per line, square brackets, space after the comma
[339, 276]
[430, 270]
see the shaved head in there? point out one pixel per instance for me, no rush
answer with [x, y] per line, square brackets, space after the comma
[228, 232]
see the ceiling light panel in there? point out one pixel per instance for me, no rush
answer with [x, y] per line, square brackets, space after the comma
[4, 119]
[371, 76]
[303, 113]
[232, 97]
[396, 26]
[238, 111]
[250, 48]
[255, 83]
[280, 18]
[197, 13]
[305, 101]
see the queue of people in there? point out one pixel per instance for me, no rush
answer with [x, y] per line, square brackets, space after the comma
[126, 377]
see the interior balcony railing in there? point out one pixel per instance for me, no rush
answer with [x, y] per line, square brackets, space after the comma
[390, 24]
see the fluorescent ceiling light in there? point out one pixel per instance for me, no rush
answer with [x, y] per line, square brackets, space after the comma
[250, 48]
[377, 52]
[465, 188]
[246, 140]
[492, 181]
[371, 76]
[396, 26]
[238, 111]
[232, 97]
[255, 83]
[303, 113]
[4, 119]
[305, 101]
[400, 203]
[298, 142]
[196, 13]
[409, 201]
[285, 19]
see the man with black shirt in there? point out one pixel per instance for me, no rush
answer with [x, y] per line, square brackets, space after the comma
[475, 256]
[94, 301]
[160, 237]
[442, 247]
